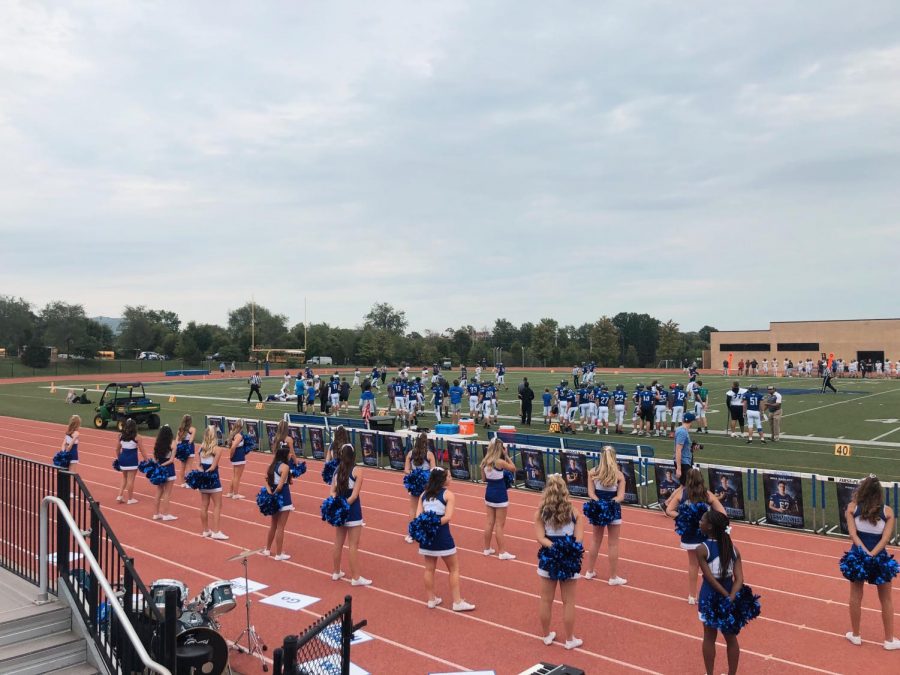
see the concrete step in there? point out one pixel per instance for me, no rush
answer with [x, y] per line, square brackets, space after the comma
[33, 622]
[83, 669]
[43, 654]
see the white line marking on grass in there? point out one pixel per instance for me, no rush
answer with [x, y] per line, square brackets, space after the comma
[886, 434]
[879, 393]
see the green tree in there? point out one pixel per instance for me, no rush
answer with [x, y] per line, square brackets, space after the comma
[63, 325]
[525, 331]
[148, 330]
[384, 317]
[640, 331]
[631, 357]
[255, 324]
[36, 355]
[670, 343]
[461, 343]
[17, 323]
[187, 348]
[543, 340]
[704, 332]
[606, 347]
[504, 333]
[376, 347]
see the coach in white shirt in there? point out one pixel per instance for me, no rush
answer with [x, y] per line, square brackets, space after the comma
[773, 410]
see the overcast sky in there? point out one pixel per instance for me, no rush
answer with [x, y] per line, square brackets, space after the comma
[723, 163]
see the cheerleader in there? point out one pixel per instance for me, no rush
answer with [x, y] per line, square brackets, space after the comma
[607, 483]
[184, 440]
[496, 461]
[720, 563]
[164, 454]
[420, 457]
[70, 442]
[689, 495]
[347, 484]
[340, 438]
[439, 500]
[278, 482]
[127, 450]
[238, 458]
[870, 523]
[555, 519]
[210, 456]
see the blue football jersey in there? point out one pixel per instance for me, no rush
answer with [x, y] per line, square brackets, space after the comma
[646, 397]
[619, 397]
[753, 400]
[603, 399]
[473, 389]
[680, 397]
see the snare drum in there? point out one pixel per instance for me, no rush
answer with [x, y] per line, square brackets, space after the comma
[158, 592]
[190, 620]
[218, 598]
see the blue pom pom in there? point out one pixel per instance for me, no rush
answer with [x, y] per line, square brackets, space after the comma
[424, 527]
[62, 459]
[729, 617]
[183, 450]
[601, 512]
[298, 469]
[335, 511]
[415, 482]
[687, 522]
[201, 480]
[115, 464]
[249, 442]
[267, 503]
[145, 465]
[509, 478]
[561, 561]
[158, 475]
[854, 564]
[328, 471]
[882, 568]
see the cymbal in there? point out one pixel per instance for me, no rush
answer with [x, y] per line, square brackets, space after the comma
[244, 554]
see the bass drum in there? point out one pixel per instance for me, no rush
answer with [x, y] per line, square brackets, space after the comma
[200, 650]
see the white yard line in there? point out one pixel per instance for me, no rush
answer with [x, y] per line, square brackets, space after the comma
[848, 400]
[886, 434]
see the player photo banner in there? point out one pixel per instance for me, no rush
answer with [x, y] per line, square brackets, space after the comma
[367, 442]
[316, 442]
[626, 466]
[271, 428]
[533, 463]
[253, 429]
[296, 432]
[666, 483]
[218, 422]
[784, 500]
[574, 470]
[395, 452]
[459, 460]
[728, 486]
[231, 423]
[845, 488]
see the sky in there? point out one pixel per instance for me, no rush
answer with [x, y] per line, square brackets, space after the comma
[721, 163]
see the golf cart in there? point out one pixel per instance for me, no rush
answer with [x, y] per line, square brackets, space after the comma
[123, 400]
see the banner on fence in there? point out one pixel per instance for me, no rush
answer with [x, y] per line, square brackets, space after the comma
[218, 422]
[271, 429]
[230, 424]
[533, 463]
[666, 483]
[317, 442]
[728, 486]
[296, 432]
[253, 429]
[575, 472]
[845, 488]
[367, 443]
[395, 452]
[784, 499]
[459, 460]
[626, 466]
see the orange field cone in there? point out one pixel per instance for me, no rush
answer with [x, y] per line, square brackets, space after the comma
[172, 399]
[52, 388]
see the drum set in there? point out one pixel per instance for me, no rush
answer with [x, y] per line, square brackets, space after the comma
[199, 646]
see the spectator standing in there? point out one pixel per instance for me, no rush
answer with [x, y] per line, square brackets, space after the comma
[526, 395]
[300, 391]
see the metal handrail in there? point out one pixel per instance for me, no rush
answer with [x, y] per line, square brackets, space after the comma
[149, 663]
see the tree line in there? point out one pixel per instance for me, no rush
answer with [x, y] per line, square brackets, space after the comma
[627, 339]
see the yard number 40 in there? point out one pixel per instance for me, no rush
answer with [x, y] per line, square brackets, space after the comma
[842, 450]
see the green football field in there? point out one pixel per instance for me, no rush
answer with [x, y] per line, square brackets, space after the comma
[865, 414]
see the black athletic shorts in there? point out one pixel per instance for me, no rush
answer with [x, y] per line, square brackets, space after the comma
[737, 414]
[648, 413]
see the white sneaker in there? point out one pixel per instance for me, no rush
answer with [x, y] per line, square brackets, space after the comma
[489, 551]
[265, 551]
[168, 516]
[283, 556]
[463, 606]
[337, 575]
[132, 501]
[206, 533]
[692, 600]
[408, 539]
[120, 499]
[506, 556]
[618, 581]
[892, 645]
[574, 642]
[219, 536]
[634, 432]
[549, 638]
[237, 496]
[854, 639]
[361, 581]
[434, 602]
[157, 516]
[589, 575]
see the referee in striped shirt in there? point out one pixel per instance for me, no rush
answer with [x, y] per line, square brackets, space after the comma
[254, 387]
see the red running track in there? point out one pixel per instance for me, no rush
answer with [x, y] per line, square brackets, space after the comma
[645, 626]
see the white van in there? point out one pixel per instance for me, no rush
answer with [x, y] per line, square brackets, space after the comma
[320, 360]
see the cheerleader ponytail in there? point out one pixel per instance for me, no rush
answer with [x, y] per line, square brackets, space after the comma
[718, 523]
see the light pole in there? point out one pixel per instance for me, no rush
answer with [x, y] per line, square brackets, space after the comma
[523, 357]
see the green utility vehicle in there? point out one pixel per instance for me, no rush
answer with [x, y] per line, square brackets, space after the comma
[121, 400]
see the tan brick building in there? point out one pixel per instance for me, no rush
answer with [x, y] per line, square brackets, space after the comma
[854, 339]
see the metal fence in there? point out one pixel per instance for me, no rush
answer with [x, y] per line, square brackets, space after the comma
[323, 648]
